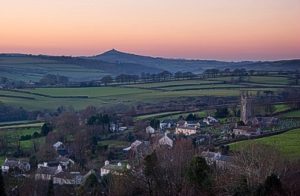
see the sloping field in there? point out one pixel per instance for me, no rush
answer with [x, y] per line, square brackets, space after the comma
[288, 143]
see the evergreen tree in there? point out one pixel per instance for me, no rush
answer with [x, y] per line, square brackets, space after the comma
[46, 128]
[199, 173]
[155, 123]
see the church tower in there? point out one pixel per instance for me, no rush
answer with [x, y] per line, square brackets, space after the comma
[246, 107]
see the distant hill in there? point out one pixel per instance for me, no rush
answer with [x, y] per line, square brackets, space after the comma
[172, 65]
[113, 62]
[196, 66]
[33, 67]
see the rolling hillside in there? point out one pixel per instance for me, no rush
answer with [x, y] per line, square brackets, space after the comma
[196, 66]
[33, 67]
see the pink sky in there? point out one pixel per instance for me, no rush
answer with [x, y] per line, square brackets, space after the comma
[203, 29]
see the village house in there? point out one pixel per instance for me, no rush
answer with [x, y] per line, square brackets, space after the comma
[217, 159]
[246, 131]
[185, 130]
[167, 124]
[210, 120]
[138, 150]
[58, 145]
[121, 129]
[64, 161]
[138, 146]
[195, 124]
[44, 172]
[113, 127]
[115, 169]
[202, 139]
[60, 148]
[68, 178]
[10, 164]
[165, 141]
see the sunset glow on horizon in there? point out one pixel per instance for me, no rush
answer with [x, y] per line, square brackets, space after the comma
[199, 29]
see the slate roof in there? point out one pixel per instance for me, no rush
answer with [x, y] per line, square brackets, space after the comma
[47, 170]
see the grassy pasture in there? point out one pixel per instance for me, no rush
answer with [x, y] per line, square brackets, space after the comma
[90, 91]
[80, 98]
[288, 143]
[172, 83]
[281, 108]
[101, 96]
[157, 115]
[292, 114]
[208, 86]
[18, 122]
[28, 144]
[30, 125]
[15, 134]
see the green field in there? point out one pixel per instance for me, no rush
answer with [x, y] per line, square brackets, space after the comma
[281, 108]
[292, 114]
[157, 115]
[33, 68]
[114, 143]
[288, 143]
[206, 86]
[79, 98]
[30, 125]
[201, 114]
[28, 144]
[103, 96]
[21, 122]
[14, 134]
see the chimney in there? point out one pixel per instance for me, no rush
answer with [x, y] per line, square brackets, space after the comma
[106, 162]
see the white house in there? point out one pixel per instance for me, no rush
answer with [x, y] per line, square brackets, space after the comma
[46, 173]
[210, 120]
[116, 169]
[122, 129]
[57, 145]
[23, 166]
